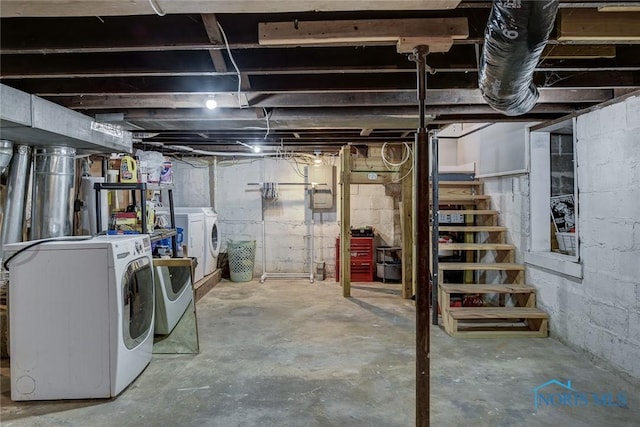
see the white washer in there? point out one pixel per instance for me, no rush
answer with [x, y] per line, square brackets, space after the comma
[211, 236]
[81, 316]
[192, 224]
[173, 295]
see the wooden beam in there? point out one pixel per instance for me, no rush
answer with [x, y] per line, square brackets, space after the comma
[436, 44]
[359, 31]
[22, 8]
[619, 8]
[589, 24]
[345, 221]
[464, 99]
[579, 51]
[215, 37]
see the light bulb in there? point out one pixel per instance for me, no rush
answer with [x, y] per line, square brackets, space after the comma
[211, 104]
[256, 149]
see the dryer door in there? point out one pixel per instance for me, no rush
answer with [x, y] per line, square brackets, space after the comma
[180, 279]
[214, 241]
[138, 302]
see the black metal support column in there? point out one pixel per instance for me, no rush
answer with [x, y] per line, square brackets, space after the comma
[422, 245]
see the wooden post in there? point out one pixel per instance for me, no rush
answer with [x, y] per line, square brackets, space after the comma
[345, 221]
[423, 247]
[407, 230]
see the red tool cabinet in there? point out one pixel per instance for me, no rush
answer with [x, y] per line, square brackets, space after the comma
[362, 262]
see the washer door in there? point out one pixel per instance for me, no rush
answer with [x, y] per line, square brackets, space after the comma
[137, 302]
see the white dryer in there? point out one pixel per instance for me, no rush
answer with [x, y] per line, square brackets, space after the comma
[192, 224]
[82, 316]
[211, 236]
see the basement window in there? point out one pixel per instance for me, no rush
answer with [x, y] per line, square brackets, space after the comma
[554, 204]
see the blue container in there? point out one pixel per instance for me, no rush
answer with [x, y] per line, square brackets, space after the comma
[179, 236]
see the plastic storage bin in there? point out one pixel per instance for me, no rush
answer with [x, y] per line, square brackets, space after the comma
[242, 256]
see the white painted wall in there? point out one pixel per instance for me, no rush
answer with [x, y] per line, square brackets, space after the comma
[447, 151]
[599, 313]
[496, 149]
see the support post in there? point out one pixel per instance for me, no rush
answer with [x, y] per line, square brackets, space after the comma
[407, 229]
[434, 228]
[345, 222]
[422, 246]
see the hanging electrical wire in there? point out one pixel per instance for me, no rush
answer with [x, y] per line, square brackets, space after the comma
[156, 8]
[407, 154]
[267, 116]
[233, 61]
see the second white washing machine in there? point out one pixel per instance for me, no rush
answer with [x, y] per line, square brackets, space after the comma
[211, 236]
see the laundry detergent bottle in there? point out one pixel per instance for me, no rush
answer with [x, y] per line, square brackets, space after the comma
[128, 169]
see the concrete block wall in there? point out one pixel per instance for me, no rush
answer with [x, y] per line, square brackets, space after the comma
[191, 182]
[372, 205]
[287, 220]
[510, 196]
[600, 312]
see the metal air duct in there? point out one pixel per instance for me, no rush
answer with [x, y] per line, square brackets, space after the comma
[515, 36]
[52, 200]
[17, 186]
[6, 151]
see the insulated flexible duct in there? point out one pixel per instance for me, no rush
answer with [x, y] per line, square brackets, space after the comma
[515, 36]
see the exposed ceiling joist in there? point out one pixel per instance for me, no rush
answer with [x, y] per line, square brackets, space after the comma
[579, 51]
[308, 100]
[215, 37]
[312, 118]
[589, 24]
[154, 73]
[15, 8]
[359, 31]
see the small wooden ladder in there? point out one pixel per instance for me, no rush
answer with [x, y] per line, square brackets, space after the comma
[513, 313]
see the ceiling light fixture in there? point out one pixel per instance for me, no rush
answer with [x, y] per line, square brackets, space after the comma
[211, 104]
[254, 148]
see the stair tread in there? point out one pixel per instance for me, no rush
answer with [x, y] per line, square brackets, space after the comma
[471, 228]
[459, 183]
[468, 212]
[477, 246]
[479, 288]
[459, 313]
[463, 197]
[480, 266]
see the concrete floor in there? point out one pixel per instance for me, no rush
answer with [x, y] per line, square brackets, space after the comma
[287, 353]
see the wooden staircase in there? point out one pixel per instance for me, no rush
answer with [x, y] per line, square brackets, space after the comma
[488, 268]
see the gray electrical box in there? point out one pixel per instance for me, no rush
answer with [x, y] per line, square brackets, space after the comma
[323, 193]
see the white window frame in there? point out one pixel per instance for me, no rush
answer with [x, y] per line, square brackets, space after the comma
[539, 253]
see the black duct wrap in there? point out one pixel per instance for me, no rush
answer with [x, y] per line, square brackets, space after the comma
[515, 36]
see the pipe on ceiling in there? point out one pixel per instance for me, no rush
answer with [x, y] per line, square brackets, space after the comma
[516, 34]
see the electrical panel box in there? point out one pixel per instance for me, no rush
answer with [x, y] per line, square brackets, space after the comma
[323, 192]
